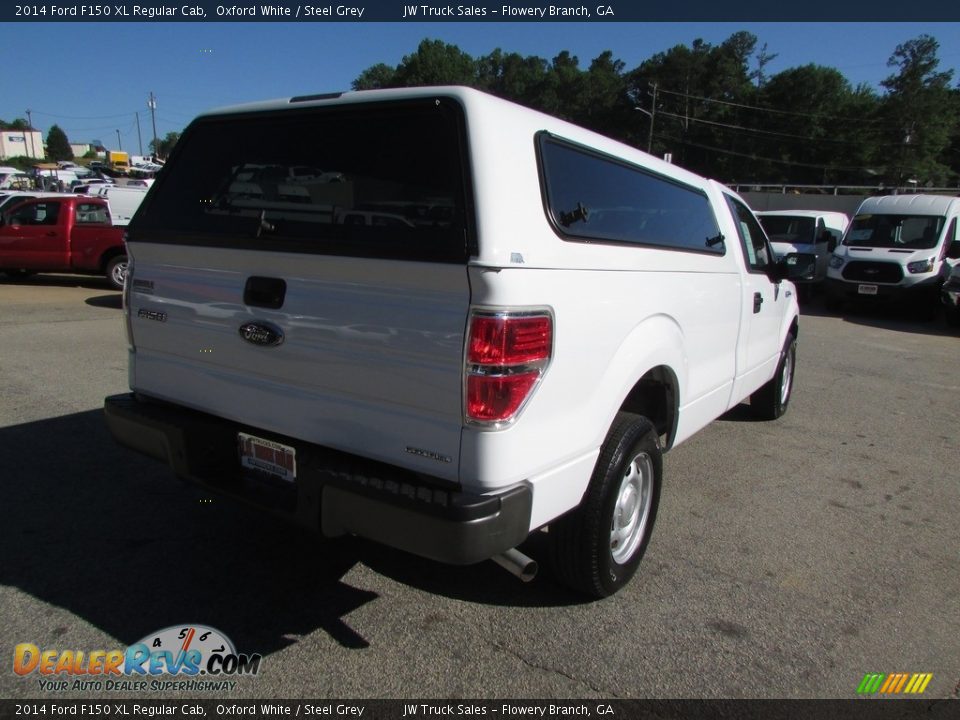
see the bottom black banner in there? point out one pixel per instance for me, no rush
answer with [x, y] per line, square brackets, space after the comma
[863, 709]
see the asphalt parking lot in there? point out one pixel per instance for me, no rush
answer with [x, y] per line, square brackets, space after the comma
[789, 558]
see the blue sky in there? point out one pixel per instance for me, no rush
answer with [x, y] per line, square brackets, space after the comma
[90, 79]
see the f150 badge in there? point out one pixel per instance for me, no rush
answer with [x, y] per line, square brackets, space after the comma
[261, 333]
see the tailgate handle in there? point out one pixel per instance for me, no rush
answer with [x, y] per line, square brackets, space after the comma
[265, 292]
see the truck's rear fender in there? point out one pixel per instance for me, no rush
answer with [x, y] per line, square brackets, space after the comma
[645, 376]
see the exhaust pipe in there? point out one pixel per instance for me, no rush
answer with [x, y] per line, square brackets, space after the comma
[518, 564]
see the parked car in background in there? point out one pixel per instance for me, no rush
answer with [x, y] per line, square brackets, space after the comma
[896, 247]
[62, 233]
[14, 197]
[123, 199]
[815, 232]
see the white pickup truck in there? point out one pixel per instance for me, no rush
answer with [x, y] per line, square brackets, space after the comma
[557, 310]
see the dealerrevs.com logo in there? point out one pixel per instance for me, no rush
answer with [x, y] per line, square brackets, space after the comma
[180, 657]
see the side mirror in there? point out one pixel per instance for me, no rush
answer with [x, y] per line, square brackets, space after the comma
[953, 252]
[798, 266]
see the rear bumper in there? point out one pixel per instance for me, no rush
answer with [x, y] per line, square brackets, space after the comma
[335, 493]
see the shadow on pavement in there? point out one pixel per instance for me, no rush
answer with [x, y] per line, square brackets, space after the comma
[882, 315]
[93, 282]
[114, 539]
[113, 302]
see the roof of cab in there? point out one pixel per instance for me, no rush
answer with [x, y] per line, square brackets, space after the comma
[909, 204]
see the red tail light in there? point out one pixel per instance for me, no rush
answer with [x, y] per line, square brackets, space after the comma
[507, 353]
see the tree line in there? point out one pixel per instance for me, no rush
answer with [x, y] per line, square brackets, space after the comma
[718, 112]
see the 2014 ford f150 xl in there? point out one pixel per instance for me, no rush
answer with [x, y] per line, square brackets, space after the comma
[528, 317]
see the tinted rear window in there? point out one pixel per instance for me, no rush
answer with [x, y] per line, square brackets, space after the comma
[374, 180]
[595, 197]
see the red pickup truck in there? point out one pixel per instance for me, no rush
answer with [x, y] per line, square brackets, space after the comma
[62, 234]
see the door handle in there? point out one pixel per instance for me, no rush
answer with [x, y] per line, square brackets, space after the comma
[757, 302]
[52, 233]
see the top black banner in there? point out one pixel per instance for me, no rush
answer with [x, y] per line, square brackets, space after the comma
[319, 11]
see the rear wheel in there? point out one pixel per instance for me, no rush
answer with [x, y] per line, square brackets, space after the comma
[771, 400]
[116, 271]
[597, 548]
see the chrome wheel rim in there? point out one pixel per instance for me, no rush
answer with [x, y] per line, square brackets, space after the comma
[787, 378]
[119, 273]
[632, 509]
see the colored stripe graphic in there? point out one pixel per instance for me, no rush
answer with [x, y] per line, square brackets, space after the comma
[894, 683]
[870, 683]
[918, 683]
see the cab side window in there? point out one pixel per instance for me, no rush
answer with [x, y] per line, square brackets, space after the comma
[40, 213]
[752, 238]
[91, 214]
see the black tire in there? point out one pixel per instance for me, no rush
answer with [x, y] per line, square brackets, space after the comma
[953, 316]
[927, 306]
[771, 401]
[18, 274]
[116, 271]
[585, 553]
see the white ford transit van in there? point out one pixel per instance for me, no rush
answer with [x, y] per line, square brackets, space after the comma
[897, 247]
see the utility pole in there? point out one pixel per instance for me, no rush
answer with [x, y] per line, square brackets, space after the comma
[152, 104]
[651, 113]
[139, 139]
[119, 144]
[33, 151]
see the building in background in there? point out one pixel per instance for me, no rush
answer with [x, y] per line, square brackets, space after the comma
[21, 143]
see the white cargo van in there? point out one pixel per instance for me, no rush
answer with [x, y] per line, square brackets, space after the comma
[551, 311]
[814, 232]
[898, 247]
[124, 201]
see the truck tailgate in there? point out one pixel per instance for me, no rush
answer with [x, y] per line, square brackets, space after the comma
[369, 359]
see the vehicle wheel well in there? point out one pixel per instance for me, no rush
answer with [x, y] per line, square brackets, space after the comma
[656, 396]
[110, 255]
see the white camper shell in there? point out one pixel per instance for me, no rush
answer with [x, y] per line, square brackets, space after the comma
[548, 311]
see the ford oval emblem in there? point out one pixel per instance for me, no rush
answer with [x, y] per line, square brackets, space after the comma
[261, 333]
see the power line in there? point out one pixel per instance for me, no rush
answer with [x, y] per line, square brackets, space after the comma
[764, 109]
[89, 117]
[820, 166]
[758, 131]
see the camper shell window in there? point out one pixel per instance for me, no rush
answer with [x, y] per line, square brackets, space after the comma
[297, 180]
[590, 196]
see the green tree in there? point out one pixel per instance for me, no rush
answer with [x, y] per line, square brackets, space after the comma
[817, 129]
[920, 112]
[18, 124]
[163, 147]
[436, 63]
[58, 147]
[377, 77]
[512, 76]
